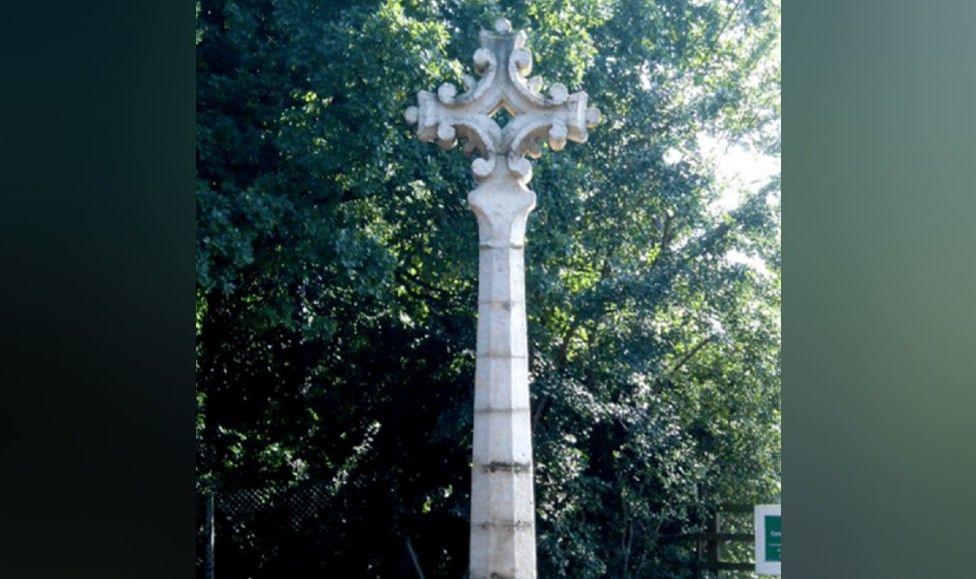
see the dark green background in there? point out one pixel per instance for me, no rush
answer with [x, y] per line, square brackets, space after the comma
[773, 527]
[879, 318]
[96, 247]
[96, 289]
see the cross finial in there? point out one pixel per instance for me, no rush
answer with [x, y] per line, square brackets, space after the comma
[503, 26]
[504, 65]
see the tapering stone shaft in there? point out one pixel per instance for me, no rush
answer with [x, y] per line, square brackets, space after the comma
[502, 505]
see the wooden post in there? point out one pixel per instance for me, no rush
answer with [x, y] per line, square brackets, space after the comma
[714, 544]
[718, 543]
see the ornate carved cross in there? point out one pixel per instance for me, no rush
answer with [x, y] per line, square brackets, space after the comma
[502, 504]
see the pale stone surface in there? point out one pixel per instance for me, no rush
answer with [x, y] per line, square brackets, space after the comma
[502, 502]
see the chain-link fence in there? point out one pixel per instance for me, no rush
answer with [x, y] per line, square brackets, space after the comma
[259, 533]
[283, 532]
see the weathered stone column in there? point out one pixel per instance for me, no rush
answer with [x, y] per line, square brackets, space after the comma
[502, 503]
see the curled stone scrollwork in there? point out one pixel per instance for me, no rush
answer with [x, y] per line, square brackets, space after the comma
[447, 118]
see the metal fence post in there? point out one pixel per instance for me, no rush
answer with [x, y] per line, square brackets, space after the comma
[208, 532]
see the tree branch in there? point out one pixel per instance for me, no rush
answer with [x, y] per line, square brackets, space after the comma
[708, 61]
[691, 354]
[416, 561]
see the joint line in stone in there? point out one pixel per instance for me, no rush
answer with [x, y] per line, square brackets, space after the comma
[504, 303]
[490, 410]
[514, 525]
[509, 467]
[501, 246]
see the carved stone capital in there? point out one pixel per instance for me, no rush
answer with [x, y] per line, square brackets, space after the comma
[502, 205]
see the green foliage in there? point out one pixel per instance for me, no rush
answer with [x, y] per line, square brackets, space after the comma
[337, 269]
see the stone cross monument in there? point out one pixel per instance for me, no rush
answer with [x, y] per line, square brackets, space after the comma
[502, 504]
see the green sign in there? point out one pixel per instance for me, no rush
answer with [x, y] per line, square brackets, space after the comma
[774, 538]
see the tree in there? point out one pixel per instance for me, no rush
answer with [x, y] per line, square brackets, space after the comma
[337, 278]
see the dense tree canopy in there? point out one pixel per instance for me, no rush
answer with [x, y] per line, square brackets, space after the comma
[337, 266]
